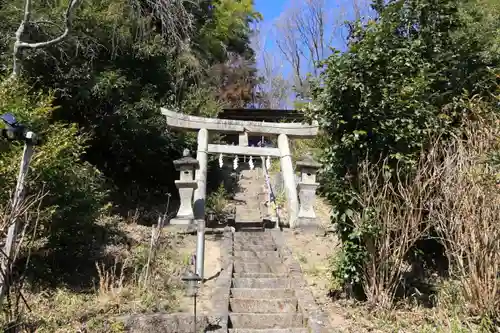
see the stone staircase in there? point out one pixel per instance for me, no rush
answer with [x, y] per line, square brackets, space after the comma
[261, 298]
[260, 287]
[249, 214]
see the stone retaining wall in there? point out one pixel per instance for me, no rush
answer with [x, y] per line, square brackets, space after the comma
[215, 322]
[222, 290]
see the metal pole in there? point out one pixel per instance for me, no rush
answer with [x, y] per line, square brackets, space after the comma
[194, 313]
[200, 248]
[14, 223]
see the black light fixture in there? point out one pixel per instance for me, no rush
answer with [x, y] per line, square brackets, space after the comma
[191, 279]
[15, 131]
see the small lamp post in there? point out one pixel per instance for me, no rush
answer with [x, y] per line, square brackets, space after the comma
[192, 281]
[14, 131]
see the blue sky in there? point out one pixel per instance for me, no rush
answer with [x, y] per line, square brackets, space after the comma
[336, 13]
[270, 9]
[341, 9]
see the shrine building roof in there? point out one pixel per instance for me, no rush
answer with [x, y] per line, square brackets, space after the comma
[267, 115]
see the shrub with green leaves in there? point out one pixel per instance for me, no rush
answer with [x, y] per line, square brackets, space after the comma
[217, 203]
[402, 81]
[74, 188]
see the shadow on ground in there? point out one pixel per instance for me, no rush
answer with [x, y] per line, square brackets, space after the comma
[69, 258]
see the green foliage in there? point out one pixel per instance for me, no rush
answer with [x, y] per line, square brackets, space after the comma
[95, 99]
[231, 19]
[122, 61]
[74, 187]
[217, 203]
[401, 82]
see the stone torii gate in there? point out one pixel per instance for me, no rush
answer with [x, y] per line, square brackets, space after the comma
[284, 132]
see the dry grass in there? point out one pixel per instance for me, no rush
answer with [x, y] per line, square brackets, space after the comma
[454, 192]
[390, 221]
[23, 218]
[143, 278]
[467, 214]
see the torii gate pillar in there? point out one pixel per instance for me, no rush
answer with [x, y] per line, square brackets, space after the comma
[288, 179]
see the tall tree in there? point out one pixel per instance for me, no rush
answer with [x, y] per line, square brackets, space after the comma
[26, 23]
[123, 60]
[308, 29]
[273, 89]
[405, 78]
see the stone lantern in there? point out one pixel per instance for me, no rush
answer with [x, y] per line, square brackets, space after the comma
[306, 187]
[186, 185]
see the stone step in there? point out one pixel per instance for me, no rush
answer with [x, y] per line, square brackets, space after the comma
[253, 255]
[257, 238]
[252, 234]
[267, 330]
[266, 283]
[262, 293]
[250, 255]
[254, 227]
[242, 234]
[255, 305]
[254, 247]
[268, 320]
[255, 242]
[274, 264]
[253, 217]
[251, 208]
[248, 208]
[270, 261]
[259, 275]
[254, 237]
[260, 267]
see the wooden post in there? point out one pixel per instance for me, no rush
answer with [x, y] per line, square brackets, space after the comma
[17, 200]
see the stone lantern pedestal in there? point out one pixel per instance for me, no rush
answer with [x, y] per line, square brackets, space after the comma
[307, 192]
[186, 185]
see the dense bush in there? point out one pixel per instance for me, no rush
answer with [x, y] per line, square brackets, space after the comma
[453, 192]
[95, 97]
[74, 188]
[404, 80]
[123, 61]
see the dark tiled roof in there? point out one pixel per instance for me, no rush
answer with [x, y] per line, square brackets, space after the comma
[269, 115]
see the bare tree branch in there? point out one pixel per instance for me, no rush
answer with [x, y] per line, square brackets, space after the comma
[302, 37]
[274, 90]
[19, 45]
[287, 44]
[177, 23]
[307, 30]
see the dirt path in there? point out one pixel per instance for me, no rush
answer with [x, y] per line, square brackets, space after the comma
[315, 251]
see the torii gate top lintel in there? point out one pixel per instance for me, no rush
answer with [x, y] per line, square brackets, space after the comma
[194, 123]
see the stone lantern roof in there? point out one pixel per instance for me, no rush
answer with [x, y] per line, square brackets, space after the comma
[308, 162]
[186, 160]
